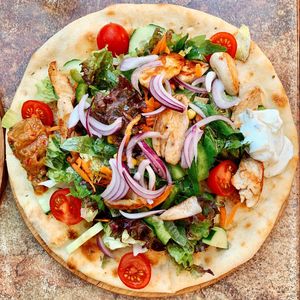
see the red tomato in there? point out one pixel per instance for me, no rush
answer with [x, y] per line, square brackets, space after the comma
[134, 271]
[65, 208]
[39, 109]
[115, 37]
[219, 179]
[227, 40]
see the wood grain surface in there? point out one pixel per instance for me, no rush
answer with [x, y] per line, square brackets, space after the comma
[27, 272]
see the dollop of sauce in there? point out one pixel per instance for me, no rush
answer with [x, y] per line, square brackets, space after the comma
[267, 143]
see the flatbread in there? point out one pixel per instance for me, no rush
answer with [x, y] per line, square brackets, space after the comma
[250, 227]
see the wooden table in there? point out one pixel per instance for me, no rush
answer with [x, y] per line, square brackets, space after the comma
[27, 272]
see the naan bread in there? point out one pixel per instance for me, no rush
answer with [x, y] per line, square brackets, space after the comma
[250, 227]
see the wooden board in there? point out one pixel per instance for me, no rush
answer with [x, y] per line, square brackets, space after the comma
[3, 171]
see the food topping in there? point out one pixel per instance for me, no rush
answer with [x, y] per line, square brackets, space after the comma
[248, 180]
[28, 140]
[172, 125]
[122, 101]
[65, 94]
[267, 143]
[134, 271]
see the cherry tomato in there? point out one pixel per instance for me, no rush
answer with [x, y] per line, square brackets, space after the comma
[225, 39]
[65, 208]
[219, 179]
[115, 37]
[134, 271]
[39, 109]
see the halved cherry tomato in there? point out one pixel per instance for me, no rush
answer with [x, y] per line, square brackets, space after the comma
[225, 39]
[134, 271]
[115, 37]
[39, 109]
[219, 179]
[65, 208]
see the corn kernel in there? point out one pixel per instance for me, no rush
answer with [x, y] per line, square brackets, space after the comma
[110, 139]
[134, 161]
[191, 114]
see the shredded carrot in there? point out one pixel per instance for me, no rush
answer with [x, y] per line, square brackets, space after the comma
[222, 216]
[78, 162]
[160, 46]
[106, 172]
[198, 70]
[129, 127]
[102, 220]
[167, 50]
[86, 167]
[198, 118]
[145, 128]
[53, 128]
[81, 173]
[162, 197]
[232, 213]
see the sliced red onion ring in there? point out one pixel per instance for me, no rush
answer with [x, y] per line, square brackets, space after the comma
[161, 95]
[152, 178]
[135, 140]
[138, 189]
[209, 78]
[168, 86]
[159, 166]
[48, 183]
[155, 112]
[199, 80]
[140, 215]
[74, 117]
[197, 109]
[103, 248]
[117, 188]
[190, 151]
[210, 119]
[219, 96]
[105, 129]
[137, 73]
[135, 62]
[190, 87]
[141, 172]
[120, 154]
[137, 249]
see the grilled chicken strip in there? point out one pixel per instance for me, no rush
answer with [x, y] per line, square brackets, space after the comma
[66, 96]
[172, 125]
[248, 180]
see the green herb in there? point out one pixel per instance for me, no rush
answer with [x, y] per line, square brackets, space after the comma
[183, 255]
[200, 47]
[97, 198]
[176, 42]
[80, 189]
[199, 230]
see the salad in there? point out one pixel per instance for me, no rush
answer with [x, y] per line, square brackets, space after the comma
[146, 140]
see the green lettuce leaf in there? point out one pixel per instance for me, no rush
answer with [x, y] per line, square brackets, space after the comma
[199, 230]
[183, 255]
[45, 91]
[98, 70]
[55, 156]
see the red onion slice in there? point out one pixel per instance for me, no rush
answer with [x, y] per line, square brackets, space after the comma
[48, 183]
[139, 175]
[135, 62]
[152, 178]
[155, 112]
[74, 117]
[134, 141]
[190, 87]
[140, 215]
[105, 129]
[197, 109]
[137, 249]
[103, 248]
[199, 80]
[117, 188]
[137, 73]
[209, 78]
[138, 189]
[159, 166]
[219, 96]
[168, 86]
[161, 95]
